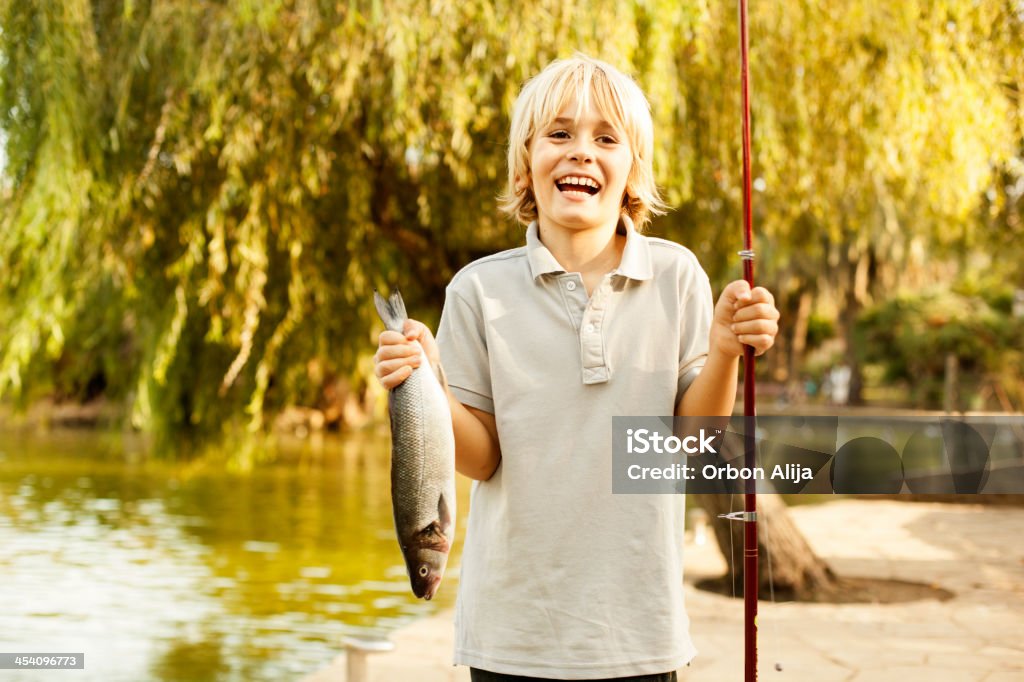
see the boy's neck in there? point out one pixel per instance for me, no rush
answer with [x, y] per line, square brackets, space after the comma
[597, 250]
[590, 252]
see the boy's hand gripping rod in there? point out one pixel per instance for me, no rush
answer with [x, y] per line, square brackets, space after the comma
[749, 514]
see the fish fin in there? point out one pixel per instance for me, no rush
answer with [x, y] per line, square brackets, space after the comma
[391, 310]
[444, 513]
[433, 538]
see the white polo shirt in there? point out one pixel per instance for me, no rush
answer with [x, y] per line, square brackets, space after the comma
[560, 578]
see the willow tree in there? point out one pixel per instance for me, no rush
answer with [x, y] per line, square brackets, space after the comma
[202, 197]
[878, 130]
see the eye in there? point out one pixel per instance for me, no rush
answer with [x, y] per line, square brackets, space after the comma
[607, 139]
[424, 571]
[559, 135]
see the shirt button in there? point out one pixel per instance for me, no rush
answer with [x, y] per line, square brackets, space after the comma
[590, 329]
[571, 286]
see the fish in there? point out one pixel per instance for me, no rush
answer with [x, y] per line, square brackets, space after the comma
[422, 464]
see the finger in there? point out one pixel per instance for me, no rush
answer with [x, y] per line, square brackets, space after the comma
[755, 327]
[735, 291]
[395, 378]
[387, 338]
[759, 342]
[416, 330]
[758, 296]
[762, 295]
[392, 352]
[388, 367]
[757, 311]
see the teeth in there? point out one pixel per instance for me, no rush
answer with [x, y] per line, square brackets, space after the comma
[574, 180]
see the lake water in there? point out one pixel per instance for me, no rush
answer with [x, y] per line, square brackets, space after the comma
[215, 569]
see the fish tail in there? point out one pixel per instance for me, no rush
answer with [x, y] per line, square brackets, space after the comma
[391, 310]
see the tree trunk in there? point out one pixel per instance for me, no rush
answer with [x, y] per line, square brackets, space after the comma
[860, 273]
[848, 320]
[796, 572]
[798, 345]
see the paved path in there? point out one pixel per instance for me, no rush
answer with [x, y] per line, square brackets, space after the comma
[978, 636]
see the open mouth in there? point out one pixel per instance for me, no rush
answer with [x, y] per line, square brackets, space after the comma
[580, 184]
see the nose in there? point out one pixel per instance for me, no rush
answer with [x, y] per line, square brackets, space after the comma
[580, 152]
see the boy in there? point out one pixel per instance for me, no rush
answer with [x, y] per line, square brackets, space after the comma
[541, 346]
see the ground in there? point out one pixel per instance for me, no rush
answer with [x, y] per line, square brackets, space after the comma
[972, 552]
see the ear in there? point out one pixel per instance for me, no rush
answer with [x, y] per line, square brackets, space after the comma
[628, 194]
[522, 182]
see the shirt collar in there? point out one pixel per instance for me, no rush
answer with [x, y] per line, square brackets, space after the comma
[542, 262]
[636, 257]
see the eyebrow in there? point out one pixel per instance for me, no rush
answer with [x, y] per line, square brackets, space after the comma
[562, 120]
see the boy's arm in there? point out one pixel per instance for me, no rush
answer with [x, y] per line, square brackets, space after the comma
[743, 316]
[713, 391]
[477, 454]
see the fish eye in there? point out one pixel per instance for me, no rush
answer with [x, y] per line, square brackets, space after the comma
[424, 571]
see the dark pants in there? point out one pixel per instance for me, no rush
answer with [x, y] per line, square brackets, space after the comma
[486, 676]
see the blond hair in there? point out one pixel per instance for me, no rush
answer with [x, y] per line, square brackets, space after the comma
[617, 97]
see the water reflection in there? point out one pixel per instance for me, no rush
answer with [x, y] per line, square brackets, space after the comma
[192, 571]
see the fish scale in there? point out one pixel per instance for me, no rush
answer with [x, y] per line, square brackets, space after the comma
[422, 465]
[416, 474]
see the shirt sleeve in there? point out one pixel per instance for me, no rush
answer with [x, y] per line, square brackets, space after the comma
[697, 312]
[462, 340]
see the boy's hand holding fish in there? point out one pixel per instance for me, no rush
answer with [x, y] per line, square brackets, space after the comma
[399, 353]
[476, 435]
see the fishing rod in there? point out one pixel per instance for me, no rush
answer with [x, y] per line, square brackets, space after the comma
[749, 514]
[749, 517]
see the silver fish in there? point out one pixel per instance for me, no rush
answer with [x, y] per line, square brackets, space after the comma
[422, 464]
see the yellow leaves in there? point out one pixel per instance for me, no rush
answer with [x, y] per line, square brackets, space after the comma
[243, 141]
[312, 170]
[278, 157]
[269, 361]
[892, 94]
[217, 256]
[462, 144]
[167, 347]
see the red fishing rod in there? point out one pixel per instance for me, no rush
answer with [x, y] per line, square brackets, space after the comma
[750, 573]
[749, 514]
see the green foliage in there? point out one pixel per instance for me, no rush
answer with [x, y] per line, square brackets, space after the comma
[199, 197]
[819, 330]
[911, 335]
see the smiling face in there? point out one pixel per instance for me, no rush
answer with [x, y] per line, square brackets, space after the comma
[589, 93]
[579, 165]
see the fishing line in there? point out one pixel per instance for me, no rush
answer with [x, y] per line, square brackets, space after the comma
[732, 549]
